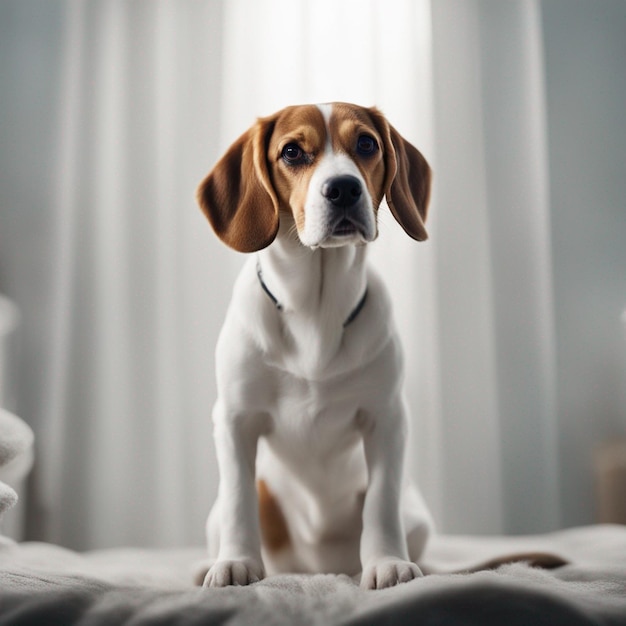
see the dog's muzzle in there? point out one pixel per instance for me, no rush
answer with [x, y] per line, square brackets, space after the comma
[344, 194]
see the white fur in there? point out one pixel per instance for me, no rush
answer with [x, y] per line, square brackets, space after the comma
[315, 410]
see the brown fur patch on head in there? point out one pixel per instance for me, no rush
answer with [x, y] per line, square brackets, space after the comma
[304, 126]
[254, 183]
[347, 123]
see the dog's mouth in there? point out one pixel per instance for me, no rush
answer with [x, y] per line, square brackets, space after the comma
[345, 228]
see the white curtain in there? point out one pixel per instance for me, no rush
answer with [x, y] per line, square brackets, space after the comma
[150, 93]
[125, 453]
[496, 327]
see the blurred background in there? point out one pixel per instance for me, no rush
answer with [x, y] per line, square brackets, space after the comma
[114, 286]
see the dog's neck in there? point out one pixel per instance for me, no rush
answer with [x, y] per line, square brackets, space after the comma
[322, 285]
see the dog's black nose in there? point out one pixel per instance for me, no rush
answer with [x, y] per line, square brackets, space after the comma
[342, 191]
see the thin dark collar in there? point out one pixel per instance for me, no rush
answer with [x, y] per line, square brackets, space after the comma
[353, 315]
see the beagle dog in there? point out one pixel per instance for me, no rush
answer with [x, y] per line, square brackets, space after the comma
[310, 421]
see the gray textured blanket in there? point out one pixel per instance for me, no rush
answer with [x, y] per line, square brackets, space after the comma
[45, 584]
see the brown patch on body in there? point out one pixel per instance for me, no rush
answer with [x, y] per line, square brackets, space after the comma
[274, 530]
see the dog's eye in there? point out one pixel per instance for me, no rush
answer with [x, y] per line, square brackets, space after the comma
[292, 154]
[366, 145]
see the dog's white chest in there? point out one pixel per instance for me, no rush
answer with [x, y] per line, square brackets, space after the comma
[313, 457]
[313, 419]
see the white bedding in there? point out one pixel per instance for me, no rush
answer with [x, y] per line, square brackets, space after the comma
[45, 584]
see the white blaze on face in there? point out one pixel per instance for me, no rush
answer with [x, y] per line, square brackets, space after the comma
[320, 215]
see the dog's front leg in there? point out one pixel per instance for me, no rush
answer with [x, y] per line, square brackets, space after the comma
[239, 559]
[384, 550]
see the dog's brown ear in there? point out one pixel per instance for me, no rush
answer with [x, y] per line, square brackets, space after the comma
[238, 197]
[407, 179]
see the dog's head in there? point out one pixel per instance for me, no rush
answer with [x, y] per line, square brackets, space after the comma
[328, 166]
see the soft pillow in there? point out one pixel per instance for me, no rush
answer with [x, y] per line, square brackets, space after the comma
[16, 443]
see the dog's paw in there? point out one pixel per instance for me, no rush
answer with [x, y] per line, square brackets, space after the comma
[389, 572]
[235, 572]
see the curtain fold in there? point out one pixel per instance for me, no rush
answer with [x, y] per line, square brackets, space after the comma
[516, 157]
[494, 269]
[125, 453]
